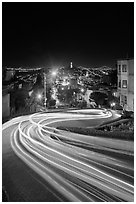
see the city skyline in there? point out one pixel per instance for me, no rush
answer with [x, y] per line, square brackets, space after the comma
[53, 34]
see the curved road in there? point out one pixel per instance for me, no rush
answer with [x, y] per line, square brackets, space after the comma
[41, 163]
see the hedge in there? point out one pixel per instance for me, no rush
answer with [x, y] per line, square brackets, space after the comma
[126, 135]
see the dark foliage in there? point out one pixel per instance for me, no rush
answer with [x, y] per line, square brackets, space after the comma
[52, 103]
[98, 97]
[100, 133]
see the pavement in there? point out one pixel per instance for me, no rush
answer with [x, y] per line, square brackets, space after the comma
[43, 164]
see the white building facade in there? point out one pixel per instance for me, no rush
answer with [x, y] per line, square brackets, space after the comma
[126, 83]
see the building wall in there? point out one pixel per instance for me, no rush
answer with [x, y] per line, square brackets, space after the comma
[131, 102]
[131, 83]
[131, 67]
[126, 94]
[129, 106]
[5, 105]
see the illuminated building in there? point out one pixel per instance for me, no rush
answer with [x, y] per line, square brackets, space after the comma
[126, 83]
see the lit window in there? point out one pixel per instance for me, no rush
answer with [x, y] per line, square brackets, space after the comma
[124, 83]
[124, 68]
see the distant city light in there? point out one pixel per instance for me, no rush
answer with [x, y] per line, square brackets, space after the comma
[30, 93]
[87, 74]
[65, 83]
[114, 94]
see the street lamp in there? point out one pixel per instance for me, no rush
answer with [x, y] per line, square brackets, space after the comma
[54, 73]
[39, 96]
[113, 104]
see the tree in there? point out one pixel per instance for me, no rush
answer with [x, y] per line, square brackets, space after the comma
[48, 93]
[113, 77]
[82, 104]
[19, 99]
[98, 97]
[38, 84]
[52, 103]
[66, 95]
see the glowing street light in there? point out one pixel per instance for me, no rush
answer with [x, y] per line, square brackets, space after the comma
[39, 96]
[114, 94]
[54, 73]
[113, 104]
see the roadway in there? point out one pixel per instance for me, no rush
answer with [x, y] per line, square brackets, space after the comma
[43, 164]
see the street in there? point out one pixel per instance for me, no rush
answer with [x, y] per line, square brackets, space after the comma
[42, 163]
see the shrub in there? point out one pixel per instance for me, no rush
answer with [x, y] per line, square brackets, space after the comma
[100, 133]
[127, 114]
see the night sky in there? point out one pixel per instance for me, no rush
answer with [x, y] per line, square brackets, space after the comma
[53, 34]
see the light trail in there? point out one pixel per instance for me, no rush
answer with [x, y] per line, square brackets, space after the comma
[61, 159]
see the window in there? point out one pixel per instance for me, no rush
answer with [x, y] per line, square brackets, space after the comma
[125, 99]
[119, 68]
[124, 83]
[124, 68]
[119, 84]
